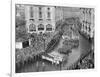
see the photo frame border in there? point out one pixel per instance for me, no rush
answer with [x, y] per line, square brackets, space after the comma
[13, 2]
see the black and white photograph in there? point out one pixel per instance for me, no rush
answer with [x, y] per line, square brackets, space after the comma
[53, 38]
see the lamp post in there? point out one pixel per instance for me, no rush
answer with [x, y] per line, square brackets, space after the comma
[44, 44]
[43, 66]
[44, 41]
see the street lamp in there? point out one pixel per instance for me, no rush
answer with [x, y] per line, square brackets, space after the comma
[44, 38]
[43, 66]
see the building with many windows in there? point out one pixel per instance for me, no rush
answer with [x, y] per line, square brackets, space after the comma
[88, 21]
[40, 18]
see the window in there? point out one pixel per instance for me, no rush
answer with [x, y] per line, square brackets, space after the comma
[49, 27]
[40, 12]
[48, 13]
[40, 8]
[40, 27]
[31, 12]
[48, 8]
[32, 27]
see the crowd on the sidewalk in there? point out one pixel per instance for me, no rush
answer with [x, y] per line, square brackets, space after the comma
[86, 61]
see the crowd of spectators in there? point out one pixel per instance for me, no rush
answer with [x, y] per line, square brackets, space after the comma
[23, 55]
[71, 43]
[85, 62]
[36, 47]
[47, 42]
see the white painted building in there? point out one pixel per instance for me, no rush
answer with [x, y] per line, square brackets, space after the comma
[40, 18]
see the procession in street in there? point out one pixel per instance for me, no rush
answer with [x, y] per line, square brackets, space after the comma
[53, 38]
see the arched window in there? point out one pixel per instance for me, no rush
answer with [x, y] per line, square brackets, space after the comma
[48, 27]
[32, 27]
[40, 27]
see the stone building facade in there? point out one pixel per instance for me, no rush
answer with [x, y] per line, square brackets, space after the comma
[88, 21]
[40, 18]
